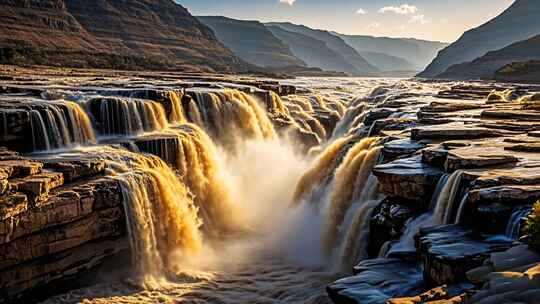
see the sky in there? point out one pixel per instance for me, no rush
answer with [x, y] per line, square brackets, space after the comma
[441, 20]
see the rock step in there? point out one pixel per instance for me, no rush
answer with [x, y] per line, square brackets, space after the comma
[448, 252]
[376, 281]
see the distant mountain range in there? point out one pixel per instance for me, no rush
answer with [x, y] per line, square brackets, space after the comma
[253, 42]
[521, 21]
[286, 44]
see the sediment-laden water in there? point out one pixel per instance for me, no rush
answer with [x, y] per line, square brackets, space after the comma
[234, 211]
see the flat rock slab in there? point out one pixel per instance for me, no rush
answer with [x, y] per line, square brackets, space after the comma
[533, 147]
[512, 114]
[448, 252]
[400, 147]
[409, 178]
[376, 281]
[512, 195]
[453, 131]
[478, 157]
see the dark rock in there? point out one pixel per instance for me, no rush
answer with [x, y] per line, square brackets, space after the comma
[408, 179]
[448, 252]
[376, 281]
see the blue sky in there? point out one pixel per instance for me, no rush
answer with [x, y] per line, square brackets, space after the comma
[443, 20]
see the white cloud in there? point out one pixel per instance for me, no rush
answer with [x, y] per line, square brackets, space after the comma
[289, 2]
[361, 11]
[421, 19]
[404, 9]
[373, 25]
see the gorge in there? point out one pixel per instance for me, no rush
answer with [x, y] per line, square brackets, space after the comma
[151, 156]
[175, 188]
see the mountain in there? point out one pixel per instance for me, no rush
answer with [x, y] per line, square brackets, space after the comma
[388, 63]
[252, 41]
[315, 53]
[417, 52]
[524, 72]
[519, 22]
[100, 33]
[336, 44]
[487, 65]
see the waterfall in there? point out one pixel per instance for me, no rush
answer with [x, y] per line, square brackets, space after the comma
[229, 114]
[199, 167]
[445, 205]
[119, 116]
[59, 124]
[162, 219]
[406, 242]
[513, 229]
[352, 174]
[322, 168]
[347, 122]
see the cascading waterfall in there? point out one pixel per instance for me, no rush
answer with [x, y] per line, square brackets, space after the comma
[322, 168]
[445, 205]
[513, 229]
[352, 115]
[352, 174]
[59, 124]
[199, 167]
[440, 211]
[229, 113]
[120, 116]
[162, 219]
[352, 196]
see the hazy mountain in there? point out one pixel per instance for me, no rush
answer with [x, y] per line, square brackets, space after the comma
[388, 63]
[315, 53]
[335, 43]
[487, 65]
[417, 52]
[252, 41]
[86, 33]
[519, 22]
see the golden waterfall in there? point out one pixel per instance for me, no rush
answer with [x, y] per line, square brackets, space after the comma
[322, 167]
[229, 114]
[199, 168]
[351, 175]
[162, 218]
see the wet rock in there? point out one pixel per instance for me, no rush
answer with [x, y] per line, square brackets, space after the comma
[510, 195]
[408, 179]
[478, 157]
[390, 124]
[387, 224]
[453, 106]
[37, 186]
[376, 281]
[510, 277]
[376, 114]
[488, 218]
[526, 147]
[453, 131]
[400, 147]
[448, 252]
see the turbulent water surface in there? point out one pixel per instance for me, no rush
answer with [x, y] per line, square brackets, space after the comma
[275, 253]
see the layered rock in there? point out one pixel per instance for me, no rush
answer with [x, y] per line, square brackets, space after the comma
[58, 220]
